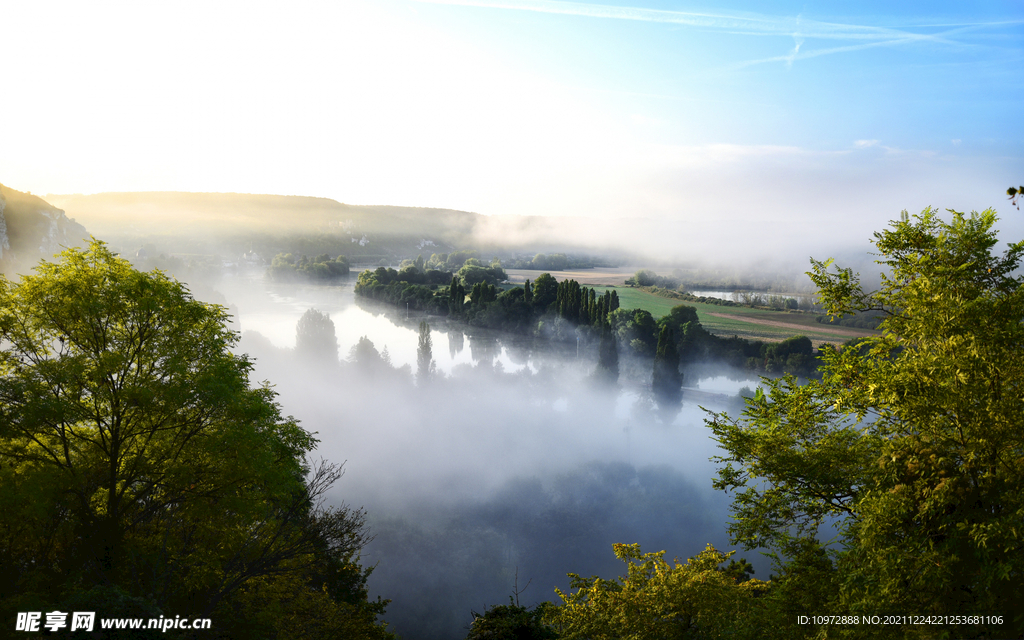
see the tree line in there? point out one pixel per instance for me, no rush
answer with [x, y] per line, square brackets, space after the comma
[567, 311]
[288, 267]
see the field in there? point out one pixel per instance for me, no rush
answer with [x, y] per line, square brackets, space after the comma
[614, 276]
[745, 322]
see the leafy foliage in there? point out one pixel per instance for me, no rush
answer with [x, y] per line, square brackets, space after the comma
[511, 622]
[656, 600]
[135, 458]
[910, 446]
[286, 266]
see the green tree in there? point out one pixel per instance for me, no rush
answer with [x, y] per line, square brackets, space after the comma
[545, 290]
[512, 622]
[135, 459]
[909, 447]
[658, 601]
[645, 278]
[456, 297]
[315, 337]
[637, 328]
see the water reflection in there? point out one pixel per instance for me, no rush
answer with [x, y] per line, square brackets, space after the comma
[456, 342]
[272, 309]
[726, 385]
[444, 467]
[737, 296]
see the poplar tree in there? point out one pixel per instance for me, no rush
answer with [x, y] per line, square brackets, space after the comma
[456, 296]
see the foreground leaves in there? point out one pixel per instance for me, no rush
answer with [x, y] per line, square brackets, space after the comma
[899, 477]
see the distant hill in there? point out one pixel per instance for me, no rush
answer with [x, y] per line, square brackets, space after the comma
[231, 213]
[233, 221]
[32, 229]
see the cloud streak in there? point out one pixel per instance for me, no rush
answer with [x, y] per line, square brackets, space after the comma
[735, 22]
[746, 23]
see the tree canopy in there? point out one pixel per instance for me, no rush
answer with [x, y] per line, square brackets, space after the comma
[896, 482]
[136, 459]
[656, 600]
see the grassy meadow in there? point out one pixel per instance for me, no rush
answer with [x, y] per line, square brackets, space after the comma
[745, 322]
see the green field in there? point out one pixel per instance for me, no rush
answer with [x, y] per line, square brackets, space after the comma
[788, 324]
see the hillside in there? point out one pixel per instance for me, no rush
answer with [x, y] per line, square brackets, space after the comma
[32, 229]
[229, 213]
[212, 222]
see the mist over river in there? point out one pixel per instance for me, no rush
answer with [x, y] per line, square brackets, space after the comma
[509, 461]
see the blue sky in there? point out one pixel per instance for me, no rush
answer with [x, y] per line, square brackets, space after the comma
[798, 114]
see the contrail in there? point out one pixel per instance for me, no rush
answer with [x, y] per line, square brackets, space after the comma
[741, 23]
[797, 54]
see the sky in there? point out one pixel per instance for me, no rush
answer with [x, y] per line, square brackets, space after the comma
[812, 114]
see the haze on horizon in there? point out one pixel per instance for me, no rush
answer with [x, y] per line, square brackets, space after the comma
[799, 121]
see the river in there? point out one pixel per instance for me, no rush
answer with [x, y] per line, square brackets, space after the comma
[511, 459]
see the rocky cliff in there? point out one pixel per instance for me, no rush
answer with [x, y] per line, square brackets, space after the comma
[31, 229]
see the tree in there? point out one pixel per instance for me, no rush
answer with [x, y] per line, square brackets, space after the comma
[909, 447]
[607, 356]
[658, 601]
[545, 289]
[364, 355]
[134, 456]
[667, 382]
[315, 337]
[512, 622]
[1014, 193]
[456, 297]
[424, 355]
[645, 278]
